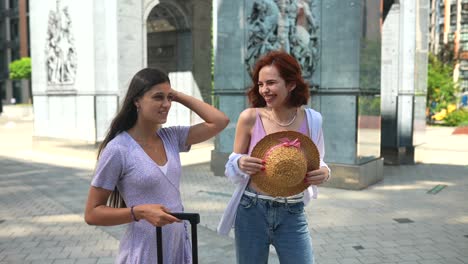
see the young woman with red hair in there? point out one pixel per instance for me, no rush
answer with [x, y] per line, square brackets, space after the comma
[259, 220]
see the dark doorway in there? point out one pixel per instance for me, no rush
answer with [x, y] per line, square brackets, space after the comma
[169, 38]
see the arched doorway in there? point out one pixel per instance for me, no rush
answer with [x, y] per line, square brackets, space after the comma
[169, 38]
[169, 47]
[173, 29]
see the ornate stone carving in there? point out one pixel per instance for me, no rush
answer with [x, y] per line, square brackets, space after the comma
[283, 24]
[61, 60]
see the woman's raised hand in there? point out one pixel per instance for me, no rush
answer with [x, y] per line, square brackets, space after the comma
[215, 120]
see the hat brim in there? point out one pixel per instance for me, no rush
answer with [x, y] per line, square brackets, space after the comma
[262, 180]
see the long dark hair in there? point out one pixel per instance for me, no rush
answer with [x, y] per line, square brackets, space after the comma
[289, 69]
[126, 118]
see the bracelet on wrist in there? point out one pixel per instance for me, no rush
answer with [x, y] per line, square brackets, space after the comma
[133, 214]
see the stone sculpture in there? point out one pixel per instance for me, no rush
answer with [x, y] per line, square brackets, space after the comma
[283, 24]
[61, 59]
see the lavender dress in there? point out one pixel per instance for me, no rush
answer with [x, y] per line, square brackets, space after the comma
[123, 163]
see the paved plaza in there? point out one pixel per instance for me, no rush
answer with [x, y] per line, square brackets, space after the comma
[417, 215]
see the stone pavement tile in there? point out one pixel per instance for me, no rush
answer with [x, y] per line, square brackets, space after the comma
[333, 247]
[369, 245]
[319, 242]
[36, 256]
[391, 258]
[427, 247]
[410, 257]
[59, 255]
[350, 245]
[29, 245]
[407, 242]
[428, 255]
[64, 242]
[348, 240]
[387, 244]
[369, 260]
[327, 260]
[339, 229]
[454, 261]
[64, 261]
[355, 228]
[348, 253]
[370, 252]
[13, 258]
[429, 261]
[41, 261]
[329, 255]
[337, 235]
[105, 260]
[464, 254]
[47, 244]
[83, 254]
[448, 254]
[404, 250]
[389, 250]
[349, 261]
[370, 238]
[86, 260]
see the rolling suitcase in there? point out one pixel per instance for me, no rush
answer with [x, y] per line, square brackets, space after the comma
[194, 220]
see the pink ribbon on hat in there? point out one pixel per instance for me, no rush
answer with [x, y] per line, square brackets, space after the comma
[285, 142]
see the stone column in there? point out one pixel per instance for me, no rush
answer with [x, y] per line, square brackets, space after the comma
[404, 75]
[202, 45]
[230, 75]
[348, 94]
[8, 56]
[421, 70]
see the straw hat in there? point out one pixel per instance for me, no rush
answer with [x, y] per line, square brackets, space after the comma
[288, 156]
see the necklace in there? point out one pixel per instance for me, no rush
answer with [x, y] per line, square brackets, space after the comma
[281, 124]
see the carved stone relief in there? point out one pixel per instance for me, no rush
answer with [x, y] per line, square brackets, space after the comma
[61, 58]
[284, 24]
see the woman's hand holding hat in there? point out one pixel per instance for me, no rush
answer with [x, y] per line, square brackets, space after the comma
[250, 165]
[317, 177]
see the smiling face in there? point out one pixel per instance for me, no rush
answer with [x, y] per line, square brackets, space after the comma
[154, 105]
[272, 87]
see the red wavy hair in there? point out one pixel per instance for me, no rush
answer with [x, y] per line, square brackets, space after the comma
[289, 69]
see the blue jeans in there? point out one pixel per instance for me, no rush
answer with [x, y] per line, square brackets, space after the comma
[260, 223]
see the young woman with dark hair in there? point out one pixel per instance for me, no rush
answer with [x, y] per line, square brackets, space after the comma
[139, 166]
[260, 220]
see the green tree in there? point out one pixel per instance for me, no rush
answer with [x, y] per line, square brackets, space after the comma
[20, 69]
[441, 88]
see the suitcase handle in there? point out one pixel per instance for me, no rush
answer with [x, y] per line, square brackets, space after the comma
[194, 220]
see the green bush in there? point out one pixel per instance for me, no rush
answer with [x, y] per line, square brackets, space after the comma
[20, 69]
[441, 89]
[457, 118]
